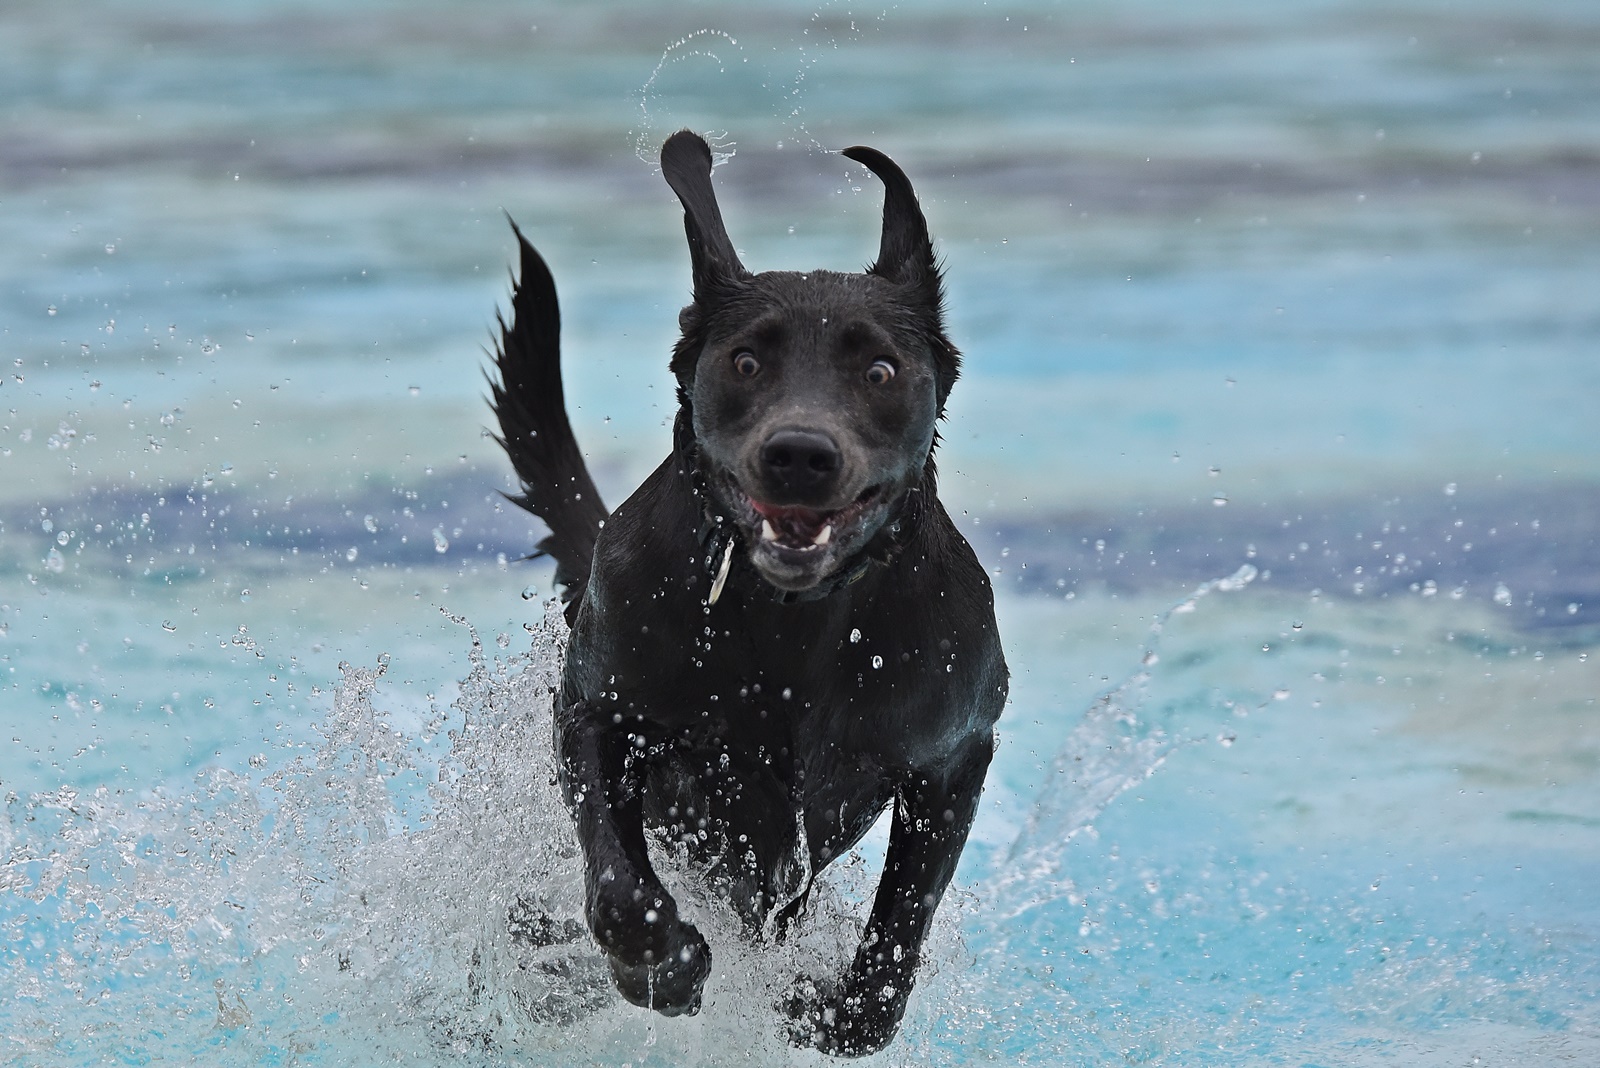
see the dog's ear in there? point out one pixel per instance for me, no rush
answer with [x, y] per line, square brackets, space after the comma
[905, 257]
[905, 253]
[686, 165]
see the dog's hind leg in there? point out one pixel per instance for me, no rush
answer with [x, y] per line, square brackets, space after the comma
[932, 815]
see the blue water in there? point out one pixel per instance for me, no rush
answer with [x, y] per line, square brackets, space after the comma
[1281, 316]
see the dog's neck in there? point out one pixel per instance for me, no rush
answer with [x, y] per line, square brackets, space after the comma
[719, 538]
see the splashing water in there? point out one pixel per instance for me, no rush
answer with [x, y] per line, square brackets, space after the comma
[407, 889]
[822, 33]
[1109, 751]
[408, 885]
[701, 44]
[363, 885]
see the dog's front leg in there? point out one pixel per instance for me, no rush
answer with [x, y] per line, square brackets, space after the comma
[933, 814]
[658, 961]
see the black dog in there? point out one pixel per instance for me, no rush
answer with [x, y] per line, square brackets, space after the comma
[781, 632]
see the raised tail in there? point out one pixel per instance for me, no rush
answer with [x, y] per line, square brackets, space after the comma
[531, 408]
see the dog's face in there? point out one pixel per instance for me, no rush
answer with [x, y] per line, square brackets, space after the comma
[814, 405]
[814, 396]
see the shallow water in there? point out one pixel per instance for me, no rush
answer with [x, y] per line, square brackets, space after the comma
[1294, 298]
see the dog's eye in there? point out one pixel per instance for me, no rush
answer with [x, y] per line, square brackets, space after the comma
[880, 372]
[745, 362]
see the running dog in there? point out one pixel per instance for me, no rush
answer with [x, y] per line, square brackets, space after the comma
[781, 632]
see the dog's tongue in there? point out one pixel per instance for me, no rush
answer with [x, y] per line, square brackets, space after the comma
[792, 523]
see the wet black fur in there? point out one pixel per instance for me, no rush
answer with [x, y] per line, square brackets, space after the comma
[766, 731]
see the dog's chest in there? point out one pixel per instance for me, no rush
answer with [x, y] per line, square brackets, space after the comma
[841, 688]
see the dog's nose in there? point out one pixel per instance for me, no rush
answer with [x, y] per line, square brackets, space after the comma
[800, 461]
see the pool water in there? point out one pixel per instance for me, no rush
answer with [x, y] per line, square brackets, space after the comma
[1276, 433]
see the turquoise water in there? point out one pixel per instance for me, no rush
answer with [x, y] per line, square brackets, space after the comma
[1288, 304]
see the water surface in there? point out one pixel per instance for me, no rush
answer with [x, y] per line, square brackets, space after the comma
[1297, 297]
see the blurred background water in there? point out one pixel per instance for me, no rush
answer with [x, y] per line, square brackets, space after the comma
[1297, 293]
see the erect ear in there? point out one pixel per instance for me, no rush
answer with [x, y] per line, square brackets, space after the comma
[905, 257]
[686, 165]
[905, 254]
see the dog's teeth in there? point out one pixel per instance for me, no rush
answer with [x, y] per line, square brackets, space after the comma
[823, 535]
[768, 533]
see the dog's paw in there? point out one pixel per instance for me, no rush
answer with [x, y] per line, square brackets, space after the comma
[658, 961]
[839, 1020]
[669, 984]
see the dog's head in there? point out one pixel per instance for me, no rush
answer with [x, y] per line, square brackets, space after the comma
[812, 397]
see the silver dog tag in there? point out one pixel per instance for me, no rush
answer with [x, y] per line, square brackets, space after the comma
[722, 575]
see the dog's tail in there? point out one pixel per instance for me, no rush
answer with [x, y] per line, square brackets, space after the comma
[534, 430]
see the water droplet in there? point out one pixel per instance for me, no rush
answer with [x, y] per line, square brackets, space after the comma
[503, 640]
[351, 553]
[855, 635]
[1449, 489]
[169, 626]
[1219, 501]
[63, 537]
[530, 592]
[55, 563]
[51, 310]
[370, 523]
[1502, 595]
[877, 662]
[441, 544]
[415, 390]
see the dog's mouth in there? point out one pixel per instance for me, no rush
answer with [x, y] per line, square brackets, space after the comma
[809, 529]
[795, 547]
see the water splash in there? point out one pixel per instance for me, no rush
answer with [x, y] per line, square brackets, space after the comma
[701, 44]
[369, 878]
[1110, 750]
[822, 32]
[409, 882]
[405, 887]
